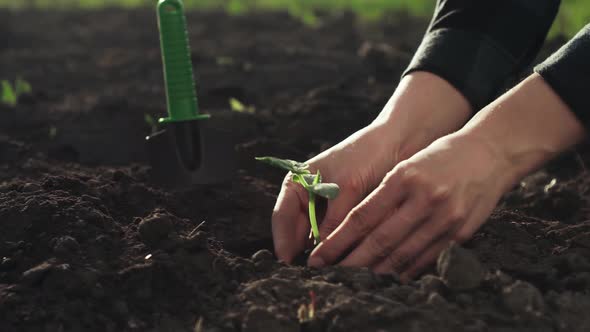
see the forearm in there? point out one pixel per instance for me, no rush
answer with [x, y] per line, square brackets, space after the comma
[423, 108]
[525, 128]
[477, 45]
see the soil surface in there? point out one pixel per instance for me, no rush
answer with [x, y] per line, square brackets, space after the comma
[89, 243]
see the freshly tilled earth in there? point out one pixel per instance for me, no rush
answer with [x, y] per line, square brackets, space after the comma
[89, 243]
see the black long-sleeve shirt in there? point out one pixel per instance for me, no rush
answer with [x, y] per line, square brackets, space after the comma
[478, 45]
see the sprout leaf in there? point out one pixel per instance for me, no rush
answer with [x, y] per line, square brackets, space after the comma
[8, 94]
[286, 164]
[326, 190]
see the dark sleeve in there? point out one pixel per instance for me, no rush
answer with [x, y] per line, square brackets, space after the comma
[478, 45]
[567, 71]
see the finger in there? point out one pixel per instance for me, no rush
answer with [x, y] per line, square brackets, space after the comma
[289, 221]
[357, 223]
[430, 255]
[389, 234]
[425, 259]
[444, 221]
[337, 211]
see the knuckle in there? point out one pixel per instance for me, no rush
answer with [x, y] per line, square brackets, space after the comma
[404, 218]
[437, 194]
[411, 176]
[356, 185]
[359, 220]
[457, 215]
[328, 226]
[378, 244]
[393, 174]
[398, 259]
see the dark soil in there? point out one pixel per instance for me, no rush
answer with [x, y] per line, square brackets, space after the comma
[87, 243]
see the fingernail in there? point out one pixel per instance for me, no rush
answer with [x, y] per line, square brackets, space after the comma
[314, 261]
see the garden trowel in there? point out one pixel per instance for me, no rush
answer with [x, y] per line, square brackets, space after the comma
[187, 150]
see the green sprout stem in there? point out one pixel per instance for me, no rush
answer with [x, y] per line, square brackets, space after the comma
[302, 175]
[313, 220]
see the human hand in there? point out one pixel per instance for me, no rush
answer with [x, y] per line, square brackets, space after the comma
[441, 194]
[446, 192]
[407, 123]
[352, 166]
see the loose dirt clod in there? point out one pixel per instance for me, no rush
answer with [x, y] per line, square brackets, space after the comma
[522, 297]
[431, 284]
[155, 228]
[65, 245]
[459, 268]
[435, 299]
[262, 255]
[197, 240]
[36, 274]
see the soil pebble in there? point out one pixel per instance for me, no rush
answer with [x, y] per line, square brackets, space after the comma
[262, 255]
[155, 228]
[521, 297]
[435, 299]
[459, 268]
[196, 241]
[431, 283]
[65, 245]
[37, 273]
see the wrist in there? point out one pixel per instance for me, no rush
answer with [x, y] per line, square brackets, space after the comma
[526, 127]
[423, 108]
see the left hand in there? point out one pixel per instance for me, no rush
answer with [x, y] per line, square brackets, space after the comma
[443, 193]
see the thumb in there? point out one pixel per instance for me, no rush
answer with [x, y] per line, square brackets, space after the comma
[290, 225]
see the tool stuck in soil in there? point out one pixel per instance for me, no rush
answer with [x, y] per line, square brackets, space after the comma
[188, 150]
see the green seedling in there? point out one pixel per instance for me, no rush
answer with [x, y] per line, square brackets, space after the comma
[52, 132]
[199, 325]
[225, 61]
[151, 122]
[311, 182]
[10, 93]
[238, 106]
[306, 312]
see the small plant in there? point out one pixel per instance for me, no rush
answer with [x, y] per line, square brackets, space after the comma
[10, 93]
[225, 61]
[306, 312]
[311, 182]
[238, 106]
[52, 132]
[151, 122]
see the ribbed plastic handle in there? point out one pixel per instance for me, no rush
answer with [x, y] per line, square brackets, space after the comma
[176, 57]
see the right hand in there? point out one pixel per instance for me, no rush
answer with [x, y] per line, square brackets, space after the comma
[423, 108]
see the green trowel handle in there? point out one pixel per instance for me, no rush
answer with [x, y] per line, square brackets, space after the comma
[178, 70]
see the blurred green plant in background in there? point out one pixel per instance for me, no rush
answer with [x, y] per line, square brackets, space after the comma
[9, 93]
[573, 15]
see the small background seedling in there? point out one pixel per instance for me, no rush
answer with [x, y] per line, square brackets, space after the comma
[225, 61]
[151, 122]
[52, 132]
[306, 311]
[311, 182]
[10, 93]
[572, 16]
[238, 106]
